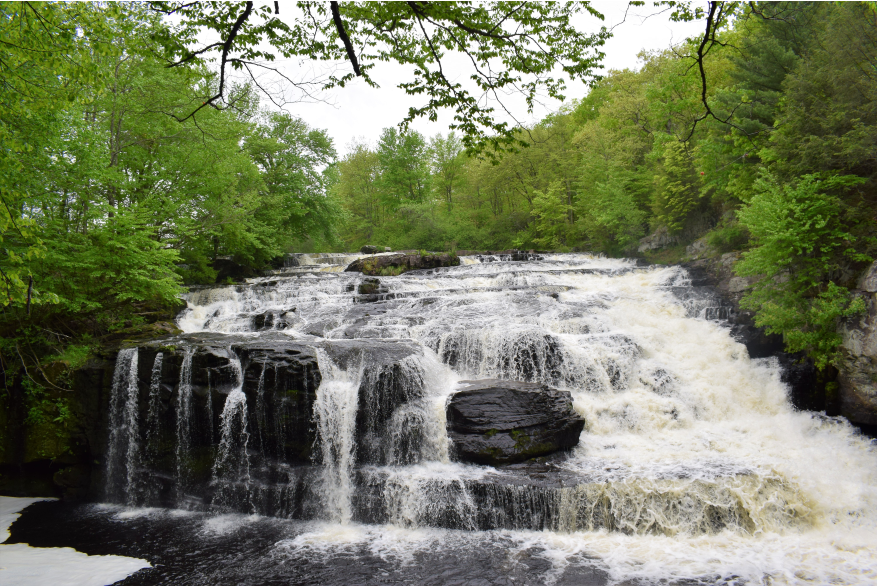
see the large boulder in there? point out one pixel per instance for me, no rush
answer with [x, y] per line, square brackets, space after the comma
[661, 239]
[496, 422]
[402, 262]
[369, 249]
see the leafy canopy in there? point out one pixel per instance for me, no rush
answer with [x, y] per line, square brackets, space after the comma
[521, 47]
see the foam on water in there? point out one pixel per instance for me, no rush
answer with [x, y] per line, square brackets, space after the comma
[21, 564]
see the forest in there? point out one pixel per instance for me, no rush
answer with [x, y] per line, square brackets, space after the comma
[123, 180]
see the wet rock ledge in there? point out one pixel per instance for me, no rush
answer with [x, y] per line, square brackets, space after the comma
[495, 422]
[402, 263]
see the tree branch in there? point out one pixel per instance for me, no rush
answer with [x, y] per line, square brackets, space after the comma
[348, 46]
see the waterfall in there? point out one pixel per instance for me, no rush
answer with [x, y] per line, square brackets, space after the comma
[209, 406]
[691, 451]
[153, 422]
[123, 447]
[184, 417]
[231, 469]
[261, 419]
[335, 415]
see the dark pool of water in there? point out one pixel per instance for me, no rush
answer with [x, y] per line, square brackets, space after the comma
[197, 548]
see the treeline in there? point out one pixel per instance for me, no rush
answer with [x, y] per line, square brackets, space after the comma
[782, 167]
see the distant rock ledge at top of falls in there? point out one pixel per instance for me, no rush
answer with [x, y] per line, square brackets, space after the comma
[402, 262]
[495, 422]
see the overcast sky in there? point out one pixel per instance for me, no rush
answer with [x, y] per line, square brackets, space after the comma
[359, 112]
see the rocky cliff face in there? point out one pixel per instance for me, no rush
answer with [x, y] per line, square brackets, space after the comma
[857, 378]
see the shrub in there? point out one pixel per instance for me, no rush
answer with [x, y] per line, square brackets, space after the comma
[800, 242]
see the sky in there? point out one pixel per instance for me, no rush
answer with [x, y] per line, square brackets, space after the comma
[358, 112]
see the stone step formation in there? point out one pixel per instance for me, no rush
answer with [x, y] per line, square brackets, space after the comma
[559, 393]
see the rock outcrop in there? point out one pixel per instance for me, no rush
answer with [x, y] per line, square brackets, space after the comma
[401, 263]
[496, 422]
[659, 240]
[857, 378]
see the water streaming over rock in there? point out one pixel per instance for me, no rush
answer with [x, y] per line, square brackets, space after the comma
[183, 420]
[332, 402]
[335, 415]
[123, 449]
[153, 424]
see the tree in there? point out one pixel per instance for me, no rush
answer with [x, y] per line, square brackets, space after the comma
[550, 210]
[676, 195]
[44, 64]
[404, 160]
[513, 46]
[357, 189]
[446, 162]
[295, 203]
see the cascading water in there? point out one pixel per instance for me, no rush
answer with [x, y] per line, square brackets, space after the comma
[183, 419]
[123, 449]
[335, 414]
[692, 465]
[153, 419]
[231, 470]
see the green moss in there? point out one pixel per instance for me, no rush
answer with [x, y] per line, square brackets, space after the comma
[393, 270]
[537, 450]
[831, 389]
[46, 440]
[491, 454]
[491, 433]
[522, 439]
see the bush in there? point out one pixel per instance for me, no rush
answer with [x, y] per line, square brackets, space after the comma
[800, 242]
[731, 237]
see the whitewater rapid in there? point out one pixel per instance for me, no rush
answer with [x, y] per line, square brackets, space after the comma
[693, 465]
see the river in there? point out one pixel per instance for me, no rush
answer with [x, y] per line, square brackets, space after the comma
[693, 466]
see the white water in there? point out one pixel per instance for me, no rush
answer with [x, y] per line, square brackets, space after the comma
[683, 428]
[184, 416]
[21, 564]
[124, 435]
[335, 415]
[231, 469]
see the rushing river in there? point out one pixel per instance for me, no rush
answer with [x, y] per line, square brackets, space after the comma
[693, 467]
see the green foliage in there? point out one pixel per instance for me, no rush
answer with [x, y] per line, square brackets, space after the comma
[122, 178]
[727, 238]
[551, 212]
[793, 90]
[799, 243]
[111, 197]
[530, 40]
[676, 194]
